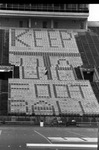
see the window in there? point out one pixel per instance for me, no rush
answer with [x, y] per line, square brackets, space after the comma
[56, 7]
[44, 24]
[55, 24]
[81, 6]
[20, 23]
[82, 25]
[74, 21]
[27, 23]
[74, 6]
[50, 7]
[61, 6]
[45, 6]
[69, 6]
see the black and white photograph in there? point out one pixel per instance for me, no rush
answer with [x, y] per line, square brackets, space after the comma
[49, 76]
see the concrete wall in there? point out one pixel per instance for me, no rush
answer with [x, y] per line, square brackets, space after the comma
[68, 24]
[12, 22]
[38, 23]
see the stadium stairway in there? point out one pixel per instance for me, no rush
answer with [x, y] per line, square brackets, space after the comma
[59, 109]
[82, 50]
[83, 112]
[16, 72]
[3, 97]
[78, 73]
[95, 87]
[4, 60]
[4, 47]
[85, 49]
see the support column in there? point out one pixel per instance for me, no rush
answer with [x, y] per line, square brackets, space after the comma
[52, 24]
[86, 25]
[29, 22]
[64, 6]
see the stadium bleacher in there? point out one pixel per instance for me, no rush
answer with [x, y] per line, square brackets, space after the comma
[68, 92]
[89, 47]
[60, 91]
[42, 40]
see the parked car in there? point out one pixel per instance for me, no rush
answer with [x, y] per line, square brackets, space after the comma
[57, 122]
[71, 123]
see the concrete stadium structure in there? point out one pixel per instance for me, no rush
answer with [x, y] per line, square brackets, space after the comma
[53, 56]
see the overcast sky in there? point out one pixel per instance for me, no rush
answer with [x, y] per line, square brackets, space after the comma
[93, 12]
